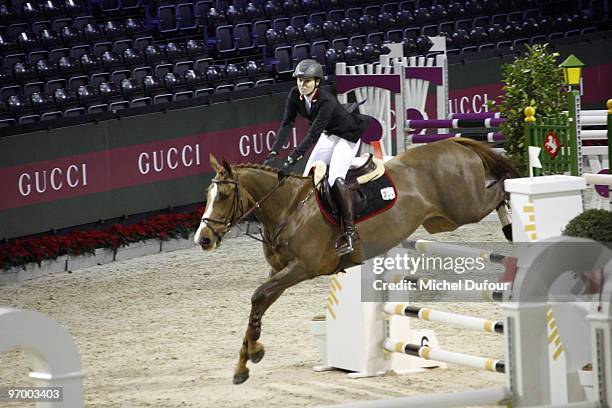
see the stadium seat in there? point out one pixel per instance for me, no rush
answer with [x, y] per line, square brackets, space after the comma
[167, 19]
[140, 102]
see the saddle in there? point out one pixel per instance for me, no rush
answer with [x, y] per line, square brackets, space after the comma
[363, 170]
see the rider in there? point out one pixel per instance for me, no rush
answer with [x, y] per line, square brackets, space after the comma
[336, 133]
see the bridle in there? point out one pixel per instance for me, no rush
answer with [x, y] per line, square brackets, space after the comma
[231, 219]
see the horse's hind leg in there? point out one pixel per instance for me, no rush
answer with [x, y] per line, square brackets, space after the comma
[502, 213]
[263, 297]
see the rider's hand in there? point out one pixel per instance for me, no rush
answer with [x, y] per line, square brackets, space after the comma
[285, 169]
[270, 159]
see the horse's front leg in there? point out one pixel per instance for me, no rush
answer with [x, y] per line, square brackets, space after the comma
[263, 297]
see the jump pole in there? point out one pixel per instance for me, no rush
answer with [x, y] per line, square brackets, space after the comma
[452, 357]
[453, 319]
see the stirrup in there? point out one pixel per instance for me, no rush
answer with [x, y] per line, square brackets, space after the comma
[345, 248]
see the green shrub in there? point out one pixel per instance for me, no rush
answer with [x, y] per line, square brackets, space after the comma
[533, 79]
[591, 224]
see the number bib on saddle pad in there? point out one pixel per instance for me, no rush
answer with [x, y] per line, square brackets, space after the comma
[371, 199]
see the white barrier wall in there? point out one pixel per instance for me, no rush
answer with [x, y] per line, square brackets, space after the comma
[542, 206]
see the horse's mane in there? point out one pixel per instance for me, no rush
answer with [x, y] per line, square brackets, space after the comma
[264, 167]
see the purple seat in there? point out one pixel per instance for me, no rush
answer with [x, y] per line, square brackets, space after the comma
[80, 22]
[317, 18]
[225, 39]
[23, 72]
[318, 50]
[153, 86]
[129, 5]
[74, 112]
[243, 36]
[132, 58]
[439, 13]
[64, 98]
[293, 35]
[140, 102]
[46, 70]
[186, 17]
[8, 14]
[167, 19]
[27, 41]
[235, 15]
[253, 12]
[135, 27]
[473, 8]
[30, 11]
[299, 21]
[75, 82]
[284, 61]
[74, 8]
[196, 49]
[109, 92]
[331, 30]
[87, 95]
[301, 51]
[51, 9]
[108, 6]
[153, 54]
[175, 52]
[114, 30]
[93, 33]
[259, 32]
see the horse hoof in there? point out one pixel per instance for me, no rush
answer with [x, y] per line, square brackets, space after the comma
[241, 377]
[507, 230]
[257, 355]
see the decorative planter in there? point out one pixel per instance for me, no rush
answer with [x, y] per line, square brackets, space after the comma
[587, 381]
[101, 256]
[137, 249]
[177, 243]
[33, 270]
[318, 328]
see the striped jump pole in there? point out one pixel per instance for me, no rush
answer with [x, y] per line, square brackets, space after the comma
[453, 123]
[491, 137]
[594, 112]
[592, 120]
[475, 116]
[453, 319]
[493, 295]
[452, 250]
[451, 357]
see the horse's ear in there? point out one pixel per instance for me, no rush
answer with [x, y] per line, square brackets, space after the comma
[214, 163]
[226, 166]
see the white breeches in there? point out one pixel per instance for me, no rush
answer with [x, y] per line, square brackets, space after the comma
[336, 152]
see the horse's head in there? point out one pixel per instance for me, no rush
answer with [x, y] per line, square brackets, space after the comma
[224, 205]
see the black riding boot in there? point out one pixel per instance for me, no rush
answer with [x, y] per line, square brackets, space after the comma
[344, 202]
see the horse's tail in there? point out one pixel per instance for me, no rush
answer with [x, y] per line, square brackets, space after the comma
[496, 165]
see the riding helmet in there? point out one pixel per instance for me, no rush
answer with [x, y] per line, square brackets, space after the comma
[308, 68]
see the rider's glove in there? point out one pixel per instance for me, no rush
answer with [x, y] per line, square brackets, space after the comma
[285, 169]
[271, 158]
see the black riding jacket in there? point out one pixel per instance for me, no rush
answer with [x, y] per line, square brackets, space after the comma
[326, 114]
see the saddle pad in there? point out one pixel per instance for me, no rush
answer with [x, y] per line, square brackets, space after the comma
[380, 197]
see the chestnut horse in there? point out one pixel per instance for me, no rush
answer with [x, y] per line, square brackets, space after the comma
[441, 186]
